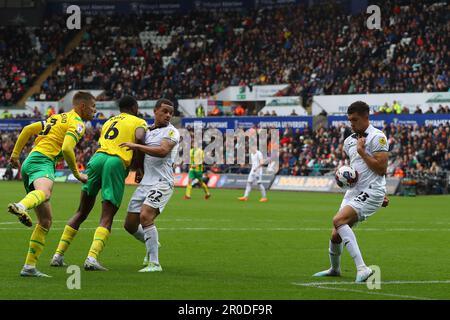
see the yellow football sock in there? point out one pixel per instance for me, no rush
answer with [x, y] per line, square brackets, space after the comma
[37, 243]
[100, 237]
[188, 190]
[66, 239]
[33, 199]
[205, 187]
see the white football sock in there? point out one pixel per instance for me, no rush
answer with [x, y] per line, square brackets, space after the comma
[139, 234]
[247, 190]
[349, 240]
[263, 190]
[335, 251]
[151, 242]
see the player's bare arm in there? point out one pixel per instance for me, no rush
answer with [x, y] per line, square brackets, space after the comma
[137, 162]
[158, 151]
[378, 162]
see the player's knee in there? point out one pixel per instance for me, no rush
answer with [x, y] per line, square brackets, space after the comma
[148, 217]
[106, 222]
[80, 215]
[338, 221]
[131, 228]
[147, 220]
[45, 222]
[47, 193]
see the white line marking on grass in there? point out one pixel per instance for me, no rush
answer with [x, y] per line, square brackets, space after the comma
[324, 285]
[305, 284]
[267, 229]
[16, 222]
[372, 293]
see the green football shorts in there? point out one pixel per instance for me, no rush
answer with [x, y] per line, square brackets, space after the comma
[35, 166]
[106, 172]
[195, 174]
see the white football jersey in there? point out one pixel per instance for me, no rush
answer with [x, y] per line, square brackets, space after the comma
[255, 160]
[375, 142]
[160, 169]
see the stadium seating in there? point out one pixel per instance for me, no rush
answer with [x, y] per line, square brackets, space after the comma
[25, 52]
[198, 54]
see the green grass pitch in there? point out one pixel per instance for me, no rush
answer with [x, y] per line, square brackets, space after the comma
[226, 249]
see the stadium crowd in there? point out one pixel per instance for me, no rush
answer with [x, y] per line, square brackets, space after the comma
[304, 152]
[25, 52]
[412, 148]
[206, 52]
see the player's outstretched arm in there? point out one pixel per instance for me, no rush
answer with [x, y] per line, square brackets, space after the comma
[69, 155]
[27, 132]
[156, 151]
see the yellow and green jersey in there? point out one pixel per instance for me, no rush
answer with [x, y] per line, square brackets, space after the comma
[117, 130]
[197, 157]
[50, 140]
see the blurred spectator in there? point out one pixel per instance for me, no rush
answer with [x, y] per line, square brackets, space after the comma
[418, 110]
[441, 109]
[430, 110]
[239, 110]
[397, 108]
[199, 111]
[6, 115]
[50, 111]
[36, 113]
[8, 175]
[293, 113]
[215, 112]
[383, 108]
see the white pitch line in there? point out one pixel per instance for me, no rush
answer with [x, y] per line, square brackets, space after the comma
[265, 229]
[373, 293]
[312, 284]
[322, 285]
[122, 220]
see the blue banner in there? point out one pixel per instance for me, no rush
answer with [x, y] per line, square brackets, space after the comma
[12, 124]
[18, 124]
[223, 123]
[404, 119]
[164, 6]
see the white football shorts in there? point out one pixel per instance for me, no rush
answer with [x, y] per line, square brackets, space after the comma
[155, 196]
[254, 177]
[365, 202]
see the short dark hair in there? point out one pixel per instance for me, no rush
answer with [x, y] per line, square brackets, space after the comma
[127, 103]
[359, 107]
[165, 101]
[82, 96]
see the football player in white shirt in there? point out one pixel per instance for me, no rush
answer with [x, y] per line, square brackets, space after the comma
[255, 175]
[368, 150]
[156, 187]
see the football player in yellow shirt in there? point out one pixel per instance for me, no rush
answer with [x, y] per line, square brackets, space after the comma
[55, 138]
[196, 171]
[107, 170]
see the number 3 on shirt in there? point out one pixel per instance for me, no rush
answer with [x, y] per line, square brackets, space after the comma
[48, 127]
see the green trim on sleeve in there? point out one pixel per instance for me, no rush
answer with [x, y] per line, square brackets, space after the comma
[72, 135]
